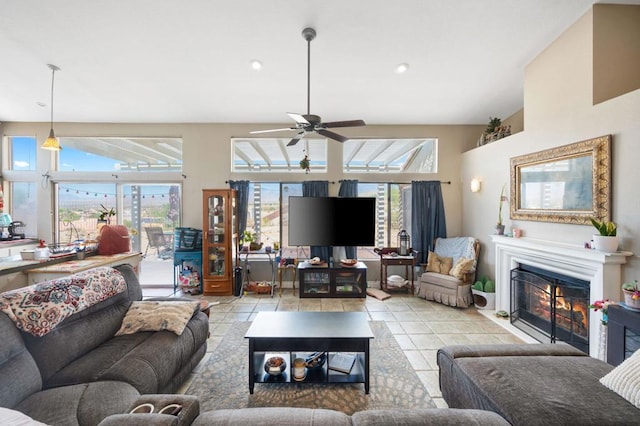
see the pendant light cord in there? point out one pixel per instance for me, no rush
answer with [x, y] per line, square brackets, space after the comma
[53, 76]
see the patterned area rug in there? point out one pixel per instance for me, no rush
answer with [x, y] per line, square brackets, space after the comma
[223, 381]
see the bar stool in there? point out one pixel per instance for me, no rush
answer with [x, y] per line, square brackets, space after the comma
[282, 269]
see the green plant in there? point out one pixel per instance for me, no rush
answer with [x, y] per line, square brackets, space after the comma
[494, 123]
[484, 284]
[106, 213]
[305, 164]
[606, 229]
[248, 236]
[632, 287]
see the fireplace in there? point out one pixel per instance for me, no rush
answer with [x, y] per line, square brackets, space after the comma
[550, 306]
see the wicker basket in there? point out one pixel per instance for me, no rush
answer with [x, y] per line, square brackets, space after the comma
[260, 289]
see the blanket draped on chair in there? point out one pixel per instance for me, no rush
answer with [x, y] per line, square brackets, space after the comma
[39, 308]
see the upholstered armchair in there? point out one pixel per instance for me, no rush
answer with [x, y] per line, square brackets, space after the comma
[450, 272]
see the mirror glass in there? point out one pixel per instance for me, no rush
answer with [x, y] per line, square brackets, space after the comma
[567, 184]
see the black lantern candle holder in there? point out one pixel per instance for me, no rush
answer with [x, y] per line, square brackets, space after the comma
[404, 243]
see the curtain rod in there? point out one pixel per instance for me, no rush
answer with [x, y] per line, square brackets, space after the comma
[279, 181]
[447, 182]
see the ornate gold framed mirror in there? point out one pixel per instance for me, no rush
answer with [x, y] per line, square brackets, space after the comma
[567, 184]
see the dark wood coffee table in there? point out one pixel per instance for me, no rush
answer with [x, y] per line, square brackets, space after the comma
[297, 334]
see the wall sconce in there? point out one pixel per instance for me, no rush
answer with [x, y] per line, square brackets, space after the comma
[476, 184]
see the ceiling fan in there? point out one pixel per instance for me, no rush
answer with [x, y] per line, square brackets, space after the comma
[307, 123]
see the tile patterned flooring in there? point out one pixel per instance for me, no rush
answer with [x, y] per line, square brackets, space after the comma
[419, 326]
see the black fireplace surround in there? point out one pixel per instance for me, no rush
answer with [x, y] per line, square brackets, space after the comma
[550, 306]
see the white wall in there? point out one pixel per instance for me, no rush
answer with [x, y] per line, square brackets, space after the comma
[558, 110]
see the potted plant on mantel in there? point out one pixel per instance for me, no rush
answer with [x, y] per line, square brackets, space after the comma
[484, 293]
[607, 238]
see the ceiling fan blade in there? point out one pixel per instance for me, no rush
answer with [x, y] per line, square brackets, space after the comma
[296, 139]
[332, 135]
[273, 130]
[348, 123]
[298, 118]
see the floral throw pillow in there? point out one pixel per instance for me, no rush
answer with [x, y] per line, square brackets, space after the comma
[625, 379]
[462, 266]
[441, 265]
[150, 315]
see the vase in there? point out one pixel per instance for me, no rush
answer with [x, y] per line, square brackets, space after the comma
[499, 229]
[605, 244]
[629, 300]
[483, 300]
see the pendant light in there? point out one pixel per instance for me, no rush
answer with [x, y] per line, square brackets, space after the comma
[52, 143]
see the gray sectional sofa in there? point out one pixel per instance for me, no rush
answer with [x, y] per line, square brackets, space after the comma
[80, 373]
[540, 384]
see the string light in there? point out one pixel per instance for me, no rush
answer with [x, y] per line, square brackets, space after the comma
[110, 194]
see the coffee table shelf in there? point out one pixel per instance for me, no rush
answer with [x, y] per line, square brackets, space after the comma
[298, 334]
[313, 375]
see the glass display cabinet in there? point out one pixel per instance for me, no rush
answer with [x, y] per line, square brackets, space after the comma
[219, 242]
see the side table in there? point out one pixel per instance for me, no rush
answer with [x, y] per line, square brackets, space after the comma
[282, 270]
[389, 257]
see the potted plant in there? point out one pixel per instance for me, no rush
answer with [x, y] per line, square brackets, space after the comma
[105, 214]
[631, 292]
[248, 240]
[484, 293]
[500, 225]
[305, 164]
[607, 239]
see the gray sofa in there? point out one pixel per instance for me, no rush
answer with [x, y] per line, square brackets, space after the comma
[540, 384]
[80, 373]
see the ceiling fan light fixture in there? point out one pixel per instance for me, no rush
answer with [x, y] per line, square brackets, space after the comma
[402, 68]
[52, 143]
[256, 64]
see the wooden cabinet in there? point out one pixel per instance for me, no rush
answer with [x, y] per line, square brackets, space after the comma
[332, 282]
[219, 240]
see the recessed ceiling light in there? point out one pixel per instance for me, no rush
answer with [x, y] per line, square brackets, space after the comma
[256, 64]
[402, 68]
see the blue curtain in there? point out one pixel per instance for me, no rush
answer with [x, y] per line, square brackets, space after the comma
[427, 216]
[317, 188]
[349, 188]
[242, 202]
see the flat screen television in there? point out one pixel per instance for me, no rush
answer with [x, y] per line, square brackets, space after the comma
[332, 221]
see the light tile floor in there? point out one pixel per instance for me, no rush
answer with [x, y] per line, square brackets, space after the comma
[419, 326]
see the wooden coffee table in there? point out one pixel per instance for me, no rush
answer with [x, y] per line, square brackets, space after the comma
[293, 335]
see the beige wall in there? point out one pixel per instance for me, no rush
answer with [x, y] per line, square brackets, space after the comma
[207, 159]
[558, 111]
[616, 50]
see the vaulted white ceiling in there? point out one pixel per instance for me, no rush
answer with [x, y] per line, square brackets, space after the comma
[189, 61]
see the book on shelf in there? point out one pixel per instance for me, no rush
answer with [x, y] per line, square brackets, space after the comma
[342, 362]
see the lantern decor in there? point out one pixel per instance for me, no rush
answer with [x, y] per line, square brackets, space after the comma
[404, 243]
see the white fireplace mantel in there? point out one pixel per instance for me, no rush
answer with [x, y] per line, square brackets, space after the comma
[602, 270]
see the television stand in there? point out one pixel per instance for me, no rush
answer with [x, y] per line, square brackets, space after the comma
[321, 281]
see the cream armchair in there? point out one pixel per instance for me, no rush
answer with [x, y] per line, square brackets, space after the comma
[450, 272]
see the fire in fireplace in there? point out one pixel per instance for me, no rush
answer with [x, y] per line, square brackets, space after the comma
[550, 306]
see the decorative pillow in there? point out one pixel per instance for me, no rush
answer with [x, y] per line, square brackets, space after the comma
[150, 315]
[16, 418]
[438, 264]
[625, 379]
[462, 266]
